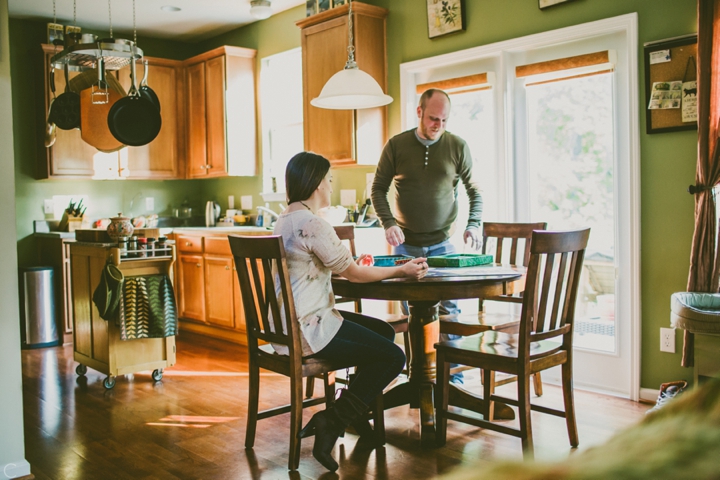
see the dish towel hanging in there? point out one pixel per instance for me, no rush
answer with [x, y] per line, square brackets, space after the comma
[147, 308]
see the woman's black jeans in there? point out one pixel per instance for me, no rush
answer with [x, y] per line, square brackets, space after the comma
[369, 344]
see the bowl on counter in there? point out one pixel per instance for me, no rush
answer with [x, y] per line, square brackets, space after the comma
[333, 215]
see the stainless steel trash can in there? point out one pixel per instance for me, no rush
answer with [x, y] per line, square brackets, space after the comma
[37, 308]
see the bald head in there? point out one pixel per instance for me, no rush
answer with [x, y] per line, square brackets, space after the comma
[433, 112]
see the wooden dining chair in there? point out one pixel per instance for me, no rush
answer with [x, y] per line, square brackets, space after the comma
[262, 271]
[398, 322]
[544, 340]
[506, 238]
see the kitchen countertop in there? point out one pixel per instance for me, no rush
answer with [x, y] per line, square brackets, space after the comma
[215, 231]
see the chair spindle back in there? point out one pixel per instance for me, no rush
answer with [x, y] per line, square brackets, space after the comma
[266, 294]
[552, 285]
[513, 232]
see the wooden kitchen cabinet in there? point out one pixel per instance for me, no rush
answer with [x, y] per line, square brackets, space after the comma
[163, 158]
[70, 156]
[191, 282]
[221, 126]
[219, 274]
[208, 292]
[345, 137]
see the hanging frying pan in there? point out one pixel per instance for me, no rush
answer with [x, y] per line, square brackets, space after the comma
[134, 120]
[147, 92]
[66, 107]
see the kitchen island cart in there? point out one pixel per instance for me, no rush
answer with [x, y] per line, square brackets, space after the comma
[96, 342]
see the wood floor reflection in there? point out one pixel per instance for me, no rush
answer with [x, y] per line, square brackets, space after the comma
[191, 425]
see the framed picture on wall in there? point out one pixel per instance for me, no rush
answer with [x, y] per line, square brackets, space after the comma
[310, 7]
[549, 3]
[445, 16]
[323, 5]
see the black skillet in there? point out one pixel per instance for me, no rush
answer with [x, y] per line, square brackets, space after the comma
[65, 111]
[134, 120]
[147, 92]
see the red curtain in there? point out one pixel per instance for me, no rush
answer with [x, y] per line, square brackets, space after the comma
[704, 263]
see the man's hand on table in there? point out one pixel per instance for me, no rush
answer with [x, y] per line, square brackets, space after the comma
[475, 240]
[394, 236]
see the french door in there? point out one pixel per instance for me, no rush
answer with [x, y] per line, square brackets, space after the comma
[560, 147]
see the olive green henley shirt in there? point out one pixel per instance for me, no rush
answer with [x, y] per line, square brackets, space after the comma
[426, 183]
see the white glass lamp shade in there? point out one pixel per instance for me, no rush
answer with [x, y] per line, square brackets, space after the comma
[351, 89]
[260, 9]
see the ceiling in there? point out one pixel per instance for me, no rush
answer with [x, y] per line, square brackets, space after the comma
[196, 20]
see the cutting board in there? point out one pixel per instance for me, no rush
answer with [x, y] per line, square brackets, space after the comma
[93, 121]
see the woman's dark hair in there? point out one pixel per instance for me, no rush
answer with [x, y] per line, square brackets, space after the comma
[303, 175]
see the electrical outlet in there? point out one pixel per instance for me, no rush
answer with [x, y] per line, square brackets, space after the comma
[149, 204]
[667, 340]
[48, 207]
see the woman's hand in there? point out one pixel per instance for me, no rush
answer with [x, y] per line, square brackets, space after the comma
[416, 268]
[365, 260]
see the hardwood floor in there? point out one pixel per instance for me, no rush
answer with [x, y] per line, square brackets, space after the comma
[191, 425]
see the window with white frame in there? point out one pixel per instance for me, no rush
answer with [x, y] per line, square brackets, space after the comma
[281, 115]
[556, 139]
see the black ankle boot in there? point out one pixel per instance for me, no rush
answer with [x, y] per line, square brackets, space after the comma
[329, 424]
[327, 432]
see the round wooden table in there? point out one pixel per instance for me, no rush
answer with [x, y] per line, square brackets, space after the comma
[423, 297]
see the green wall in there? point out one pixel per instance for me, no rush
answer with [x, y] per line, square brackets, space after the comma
[12, 444]
[667, 160]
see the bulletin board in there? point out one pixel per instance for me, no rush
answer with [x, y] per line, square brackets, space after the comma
[678, 68]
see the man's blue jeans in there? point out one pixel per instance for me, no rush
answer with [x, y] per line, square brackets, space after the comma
[367, 343]
[447, 307]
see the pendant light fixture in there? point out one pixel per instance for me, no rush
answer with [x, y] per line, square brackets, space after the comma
[260, 9]
[351, 88]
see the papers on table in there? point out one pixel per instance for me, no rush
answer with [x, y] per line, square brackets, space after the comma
[479, 271]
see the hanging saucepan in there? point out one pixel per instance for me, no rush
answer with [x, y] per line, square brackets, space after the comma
[66, 107]
[147, 92]
[134, 120]
[50, 129]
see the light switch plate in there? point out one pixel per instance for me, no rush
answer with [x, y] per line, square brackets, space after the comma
[48, 207]
[348, 197]
[149, 204]
[246, 202]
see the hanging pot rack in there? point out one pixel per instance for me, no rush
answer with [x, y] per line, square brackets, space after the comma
[116, 53]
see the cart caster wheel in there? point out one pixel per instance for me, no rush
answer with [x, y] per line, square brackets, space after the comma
[157, 374]
[109, 382]
[81, 370]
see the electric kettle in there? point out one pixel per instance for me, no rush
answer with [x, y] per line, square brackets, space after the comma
[212, 213]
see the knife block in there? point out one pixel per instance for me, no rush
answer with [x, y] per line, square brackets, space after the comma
[69, 222]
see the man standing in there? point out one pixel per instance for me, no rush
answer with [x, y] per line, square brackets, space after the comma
[426, 165]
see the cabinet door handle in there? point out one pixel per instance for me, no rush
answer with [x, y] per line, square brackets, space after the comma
[198, 265]
[188, 244]
[227, 268]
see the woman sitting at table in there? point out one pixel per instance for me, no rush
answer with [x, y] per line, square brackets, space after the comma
[314, 252]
